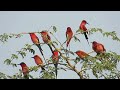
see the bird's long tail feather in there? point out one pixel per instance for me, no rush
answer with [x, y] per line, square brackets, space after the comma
[42, 68]
[50, 48]
[86, 37]
[56, 69]
[38, 45]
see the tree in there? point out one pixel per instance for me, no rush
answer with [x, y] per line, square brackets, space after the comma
[101, 66]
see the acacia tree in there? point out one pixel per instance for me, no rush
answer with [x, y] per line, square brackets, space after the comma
[105, 68]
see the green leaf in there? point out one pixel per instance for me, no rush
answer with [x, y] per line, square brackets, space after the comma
[32, 51]
[23, 54]
[94, 72]
[10, 36]
[2, 76]
[55, 42]
[4, 38]
[100, 30]
[47, 75]
[92, 30]
[84, 64]
[54, 29]
[7, 61]
[14, 56]
[34, 68]
[14, 65]
[77, 60]
[71, 52]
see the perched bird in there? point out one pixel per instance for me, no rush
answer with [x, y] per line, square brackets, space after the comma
[98, 47]
[69, 34]
[36, 41]
[25, 70]
[55, 58]
[38, 61]
[81, 54]
[47, 39]
[84, 29]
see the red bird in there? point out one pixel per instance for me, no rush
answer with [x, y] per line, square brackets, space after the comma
[46, 38]
[98, 47]
[81, 54]
[84, 29]
[36, 41]
[55, 58]
[25, 70]
[38, 61]
[69, 35]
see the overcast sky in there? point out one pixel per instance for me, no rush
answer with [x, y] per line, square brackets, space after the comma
[28, 21]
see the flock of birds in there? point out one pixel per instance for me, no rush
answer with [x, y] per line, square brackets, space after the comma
[97, 47]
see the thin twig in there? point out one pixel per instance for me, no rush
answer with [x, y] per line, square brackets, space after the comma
[72, 67]
[24, 33]
[67, 60]
[49, 28]
[56, 39]
[91, 52]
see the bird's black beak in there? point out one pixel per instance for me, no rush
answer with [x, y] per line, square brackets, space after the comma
[32, 57]
[87, 23]
[40, 32]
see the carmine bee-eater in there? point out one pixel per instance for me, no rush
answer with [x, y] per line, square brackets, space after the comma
[38, 61]
[81, 54]
[98, 47]
[36, 41]
[46, 38]
[83, 27]
[25, 70]
[69, 34]
[55, 58]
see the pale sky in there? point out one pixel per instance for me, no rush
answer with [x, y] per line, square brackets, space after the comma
[28, 21]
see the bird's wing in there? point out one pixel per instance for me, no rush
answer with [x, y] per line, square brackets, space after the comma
[103, 47]
[48, 37]
[84, 28]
